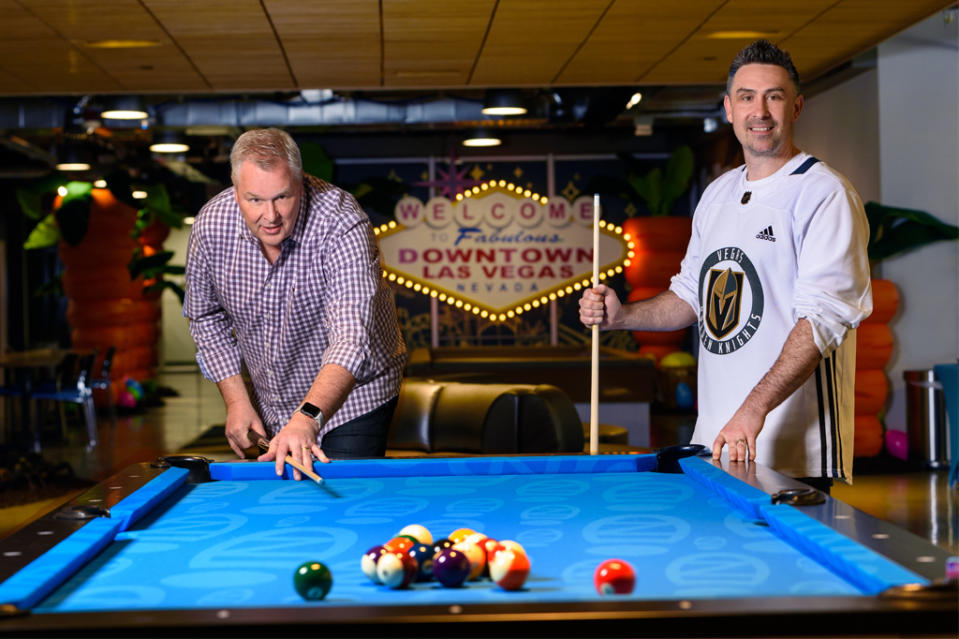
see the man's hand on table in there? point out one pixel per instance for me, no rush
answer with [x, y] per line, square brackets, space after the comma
[740, 434]
[297, 439]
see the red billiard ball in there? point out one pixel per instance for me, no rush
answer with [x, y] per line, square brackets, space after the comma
[614, 577]
[509, 544]
[396, 569]
[509, 569]
[489, 546]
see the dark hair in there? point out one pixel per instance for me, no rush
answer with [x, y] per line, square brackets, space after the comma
[763, 52]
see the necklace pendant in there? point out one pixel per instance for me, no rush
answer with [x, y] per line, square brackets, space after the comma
[746, 196]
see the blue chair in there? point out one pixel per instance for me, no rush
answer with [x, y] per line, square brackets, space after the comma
[15, 392]
[72, 386]
[948, 375]
[102, 382]
[11, 390]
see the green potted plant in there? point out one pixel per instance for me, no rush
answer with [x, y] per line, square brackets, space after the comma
[114, 265]
[659, 240]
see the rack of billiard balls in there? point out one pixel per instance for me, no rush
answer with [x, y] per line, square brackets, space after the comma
[464, 555]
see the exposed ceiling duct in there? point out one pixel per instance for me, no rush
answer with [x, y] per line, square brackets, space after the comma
[589, 106]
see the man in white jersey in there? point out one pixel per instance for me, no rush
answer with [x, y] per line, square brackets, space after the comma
[777, 278]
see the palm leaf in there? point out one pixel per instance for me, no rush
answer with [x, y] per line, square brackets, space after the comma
[896, 230]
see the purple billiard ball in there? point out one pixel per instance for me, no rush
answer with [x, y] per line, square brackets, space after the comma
[369, 560]
[451, 567]
[440, 545]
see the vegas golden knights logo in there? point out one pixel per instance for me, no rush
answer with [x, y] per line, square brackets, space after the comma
[725, 300]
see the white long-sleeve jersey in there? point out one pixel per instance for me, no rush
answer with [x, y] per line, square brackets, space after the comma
[764, 254]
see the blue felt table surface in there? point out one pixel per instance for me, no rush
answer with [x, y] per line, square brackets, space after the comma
[237, 543]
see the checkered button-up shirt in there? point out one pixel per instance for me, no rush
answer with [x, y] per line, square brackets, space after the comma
[323, 301]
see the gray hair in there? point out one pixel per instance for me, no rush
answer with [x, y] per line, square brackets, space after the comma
[266, 148]
[763, 52]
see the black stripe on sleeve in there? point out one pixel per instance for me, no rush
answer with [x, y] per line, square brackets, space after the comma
[805, 166]
[831, 390]
[822, 420]
[840, 470]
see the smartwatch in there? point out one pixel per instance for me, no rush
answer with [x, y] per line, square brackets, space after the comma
[313, 412]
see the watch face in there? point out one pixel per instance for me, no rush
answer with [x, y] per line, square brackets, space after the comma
[311, 410]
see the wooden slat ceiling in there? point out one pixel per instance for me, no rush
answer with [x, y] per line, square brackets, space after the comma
[208, 46]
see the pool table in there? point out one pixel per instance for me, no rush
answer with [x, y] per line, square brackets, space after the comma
[182, 545]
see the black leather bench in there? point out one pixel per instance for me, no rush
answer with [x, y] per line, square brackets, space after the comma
[441, 417]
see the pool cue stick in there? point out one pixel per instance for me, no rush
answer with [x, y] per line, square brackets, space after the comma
[594, 358]
[265, 445]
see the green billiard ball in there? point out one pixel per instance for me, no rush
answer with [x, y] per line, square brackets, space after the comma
[312, 580]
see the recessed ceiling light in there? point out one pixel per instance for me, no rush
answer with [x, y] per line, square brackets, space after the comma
[121, 114]
[120, 44]
[73, 166]
[740, 35]
[124, 107]
[482, 138]
[482, 142]
[504, 102]
[504, 110]
[169, 147]
[426, 73]
[169, 141]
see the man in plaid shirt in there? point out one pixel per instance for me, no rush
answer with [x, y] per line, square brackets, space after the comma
[283, 277]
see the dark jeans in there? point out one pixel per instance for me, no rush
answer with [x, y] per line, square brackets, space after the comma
[822, 484]
[364, 436]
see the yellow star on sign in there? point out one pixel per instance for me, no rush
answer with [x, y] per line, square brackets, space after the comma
[570, 191]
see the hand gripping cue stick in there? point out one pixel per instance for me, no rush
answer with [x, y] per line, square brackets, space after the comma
[264, 445]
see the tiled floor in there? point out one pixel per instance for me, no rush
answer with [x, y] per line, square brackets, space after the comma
[920, 501]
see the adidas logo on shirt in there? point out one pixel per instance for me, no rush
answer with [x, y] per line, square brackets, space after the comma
[766, 234]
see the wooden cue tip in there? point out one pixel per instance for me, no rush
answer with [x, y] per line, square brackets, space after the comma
[303, 469]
